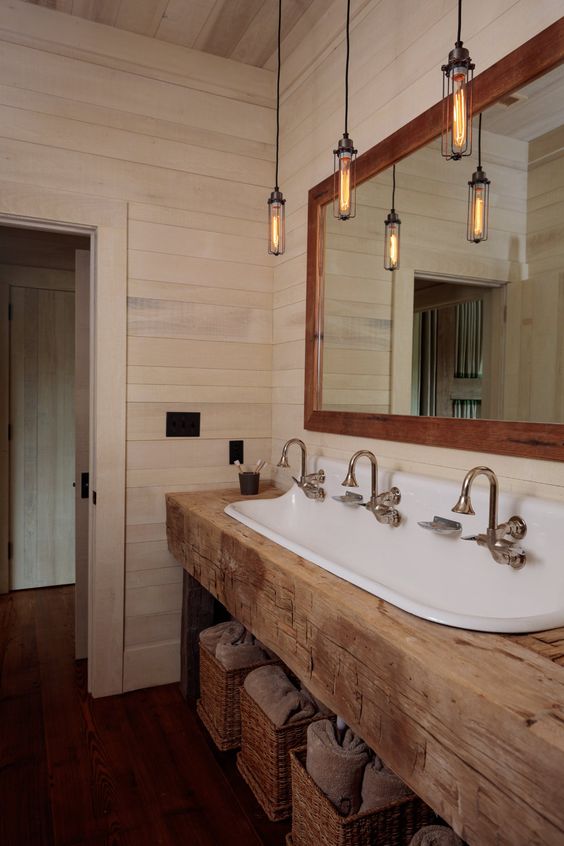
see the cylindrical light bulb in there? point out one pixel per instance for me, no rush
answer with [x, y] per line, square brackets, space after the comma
[459, 110]
[345, 161]
[276, 224]
[479, 213]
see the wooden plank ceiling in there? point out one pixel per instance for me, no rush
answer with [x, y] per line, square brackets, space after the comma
[244, 30]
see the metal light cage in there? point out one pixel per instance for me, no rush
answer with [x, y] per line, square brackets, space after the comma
[276, 223]
[344, 186]
[392, 241]
[478, 206]
[458, 74]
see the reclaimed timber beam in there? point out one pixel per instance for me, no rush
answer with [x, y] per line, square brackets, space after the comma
[474, 723]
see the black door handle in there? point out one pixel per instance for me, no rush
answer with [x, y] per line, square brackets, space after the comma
[84, 485]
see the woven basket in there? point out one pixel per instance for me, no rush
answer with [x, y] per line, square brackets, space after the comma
[218, 705]
[264, 760]
[316, 822]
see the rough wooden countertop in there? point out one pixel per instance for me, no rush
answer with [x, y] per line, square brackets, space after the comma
[474, 723]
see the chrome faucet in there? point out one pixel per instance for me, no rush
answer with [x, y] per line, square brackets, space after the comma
[309, 483]
[381, 505]
[502, 550]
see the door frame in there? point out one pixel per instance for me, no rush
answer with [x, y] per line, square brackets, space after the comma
[105, 221]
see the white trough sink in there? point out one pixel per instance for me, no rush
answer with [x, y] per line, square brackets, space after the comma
[438, 577]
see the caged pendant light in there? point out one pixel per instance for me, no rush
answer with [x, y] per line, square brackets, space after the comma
[457, 99]
[276, 201]
[478, 199]
[344, 157]
[392, 232]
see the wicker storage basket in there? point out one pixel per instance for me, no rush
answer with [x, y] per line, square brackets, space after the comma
[218, 705]
[316, 822]
[264, 760]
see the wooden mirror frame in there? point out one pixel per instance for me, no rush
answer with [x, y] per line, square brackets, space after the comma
[534, 440]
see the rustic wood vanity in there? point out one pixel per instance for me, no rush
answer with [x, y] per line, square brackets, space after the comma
[474, 723]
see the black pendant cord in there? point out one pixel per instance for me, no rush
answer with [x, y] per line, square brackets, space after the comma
[278, 92]
[394, 188]
[347, 69]
[458, 41]
[480, 142]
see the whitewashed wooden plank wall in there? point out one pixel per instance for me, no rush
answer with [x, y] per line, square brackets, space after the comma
[186, 139]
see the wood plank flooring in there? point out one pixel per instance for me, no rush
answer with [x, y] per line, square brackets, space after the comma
[130, 770]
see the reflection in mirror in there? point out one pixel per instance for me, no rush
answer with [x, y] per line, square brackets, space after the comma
[461, 329]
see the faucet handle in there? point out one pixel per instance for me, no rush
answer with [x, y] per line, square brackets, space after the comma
[513, 556]
[313, 491]
[391, 497]
[517, 527]
[316, 477]
[392, 517]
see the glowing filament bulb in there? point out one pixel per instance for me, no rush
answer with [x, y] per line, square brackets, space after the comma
[345, 161]
[275, 233]
[459, 126]
[393, 248]
[479, 213]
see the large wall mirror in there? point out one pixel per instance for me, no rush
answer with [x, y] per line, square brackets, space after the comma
[463, 345]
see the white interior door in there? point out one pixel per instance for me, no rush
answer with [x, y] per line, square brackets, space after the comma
[42, 445]
[82, 441]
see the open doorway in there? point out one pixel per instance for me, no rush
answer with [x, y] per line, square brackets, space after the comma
[44, 280]
[457, 358]
[104, 222]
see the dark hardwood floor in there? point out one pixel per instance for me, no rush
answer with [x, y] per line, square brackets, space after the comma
[130, 770]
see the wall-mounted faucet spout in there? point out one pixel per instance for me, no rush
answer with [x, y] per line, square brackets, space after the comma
[503, 550]
[464, 504]
[381, 505]
[284, 457]
[309, 483]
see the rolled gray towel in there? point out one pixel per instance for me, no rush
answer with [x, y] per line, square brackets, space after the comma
[336, 765]
[235, 652]
[233, 646]
[436, 835]
[209, 638]
[280, 700]
[380, 786]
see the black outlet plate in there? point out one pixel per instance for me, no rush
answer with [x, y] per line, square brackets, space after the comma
[236, 452]
[183, 424]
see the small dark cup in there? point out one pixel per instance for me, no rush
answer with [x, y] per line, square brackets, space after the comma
[249, 483]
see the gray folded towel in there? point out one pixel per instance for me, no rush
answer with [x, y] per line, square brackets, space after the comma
[436, 835]
[280, 700]
[233, 646]
[380, 786]
[337, 765]
[209, 638]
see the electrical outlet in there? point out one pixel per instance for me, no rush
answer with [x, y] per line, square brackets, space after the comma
[236, 452]
[183, 424]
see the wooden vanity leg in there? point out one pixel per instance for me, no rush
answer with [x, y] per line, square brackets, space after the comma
[200, 610]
